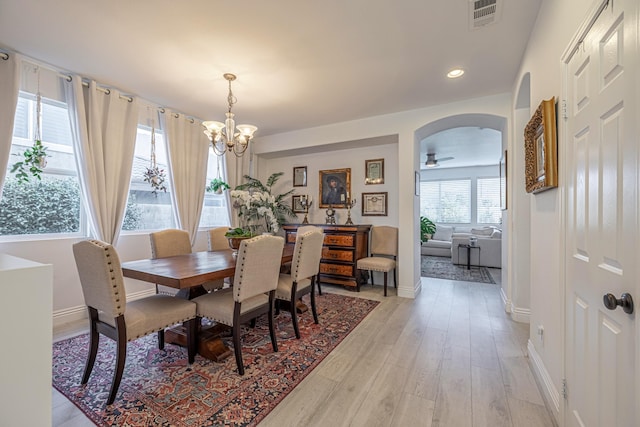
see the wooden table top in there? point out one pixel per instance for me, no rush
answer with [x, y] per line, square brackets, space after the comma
[185, 271]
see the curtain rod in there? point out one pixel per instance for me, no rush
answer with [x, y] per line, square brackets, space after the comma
[4, 55]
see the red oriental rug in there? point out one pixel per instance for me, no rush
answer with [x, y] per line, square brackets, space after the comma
[159, 388]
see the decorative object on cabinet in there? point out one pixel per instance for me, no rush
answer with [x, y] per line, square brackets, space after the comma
[343, 246]
[350, 204]
[335, 187]
[331, 216]
[374, 170]
[374, 204]
[300, 176]
[541, 149]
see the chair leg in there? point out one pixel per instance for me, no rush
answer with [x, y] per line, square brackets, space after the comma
[293, 309]
[272, 329]
[120, 359]
[385, 283]
[93, 345]
[371, 274]
[318, 283]
[237, 347]
[395, 280]
[192, 338]
[313, 304]
[161, 339]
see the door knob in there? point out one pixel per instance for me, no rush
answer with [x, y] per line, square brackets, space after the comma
[625, 301]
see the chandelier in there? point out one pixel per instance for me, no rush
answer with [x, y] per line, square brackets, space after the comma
[227, 137]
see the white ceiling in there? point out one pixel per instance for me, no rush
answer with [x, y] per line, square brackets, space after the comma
[299, 63]
[469, 146]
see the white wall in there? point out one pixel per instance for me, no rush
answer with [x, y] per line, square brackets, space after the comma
[556, 24]
[353, 158]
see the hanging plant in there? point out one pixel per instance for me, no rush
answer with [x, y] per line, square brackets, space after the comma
[154, 175]
[33, 163]
[35, 158]
[217, 185]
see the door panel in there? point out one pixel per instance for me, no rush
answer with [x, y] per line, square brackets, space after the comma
[602, 226]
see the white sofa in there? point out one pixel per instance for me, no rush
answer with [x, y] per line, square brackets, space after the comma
[489, 242]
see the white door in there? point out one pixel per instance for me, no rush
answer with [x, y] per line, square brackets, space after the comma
[601, 148]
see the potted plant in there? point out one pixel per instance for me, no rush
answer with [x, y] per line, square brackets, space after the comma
[237, 235]
[427, 229]
[33, 163]
[217, 185]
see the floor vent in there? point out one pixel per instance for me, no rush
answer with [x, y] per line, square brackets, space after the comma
[483, 13]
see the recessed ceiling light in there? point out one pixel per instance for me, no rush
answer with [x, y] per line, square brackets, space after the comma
[456, 72]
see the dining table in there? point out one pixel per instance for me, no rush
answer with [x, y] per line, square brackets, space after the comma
[187, 273]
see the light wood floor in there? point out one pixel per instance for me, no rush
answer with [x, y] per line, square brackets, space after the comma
[451, 357]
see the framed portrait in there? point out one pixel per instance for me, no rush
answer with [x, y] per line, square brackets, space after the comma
[374, 171]
[335, 187]
[503, 181]
[541, 149]
[296, 204]
[300, 176]
[374, 204]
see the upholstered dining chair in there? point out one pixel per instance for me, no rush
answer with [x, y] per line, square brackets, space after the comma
[172, 242]
[384, 251]
[302, 230]
[305, 267]
[217, 239]
[252, 293]
[110, 314]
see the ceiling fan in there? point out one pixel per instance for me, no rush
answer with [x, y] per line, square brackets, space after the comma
[432, 162]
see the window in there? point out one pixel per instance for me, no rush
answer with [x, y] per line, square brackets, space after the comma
[446, 201]
[147, 210]
[50, 205]
[214, 211]
[488, 197]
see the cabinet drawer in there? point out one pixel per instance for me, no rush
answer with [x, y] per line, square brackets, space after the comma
[340, 270]
[346, 240]
[337, 254]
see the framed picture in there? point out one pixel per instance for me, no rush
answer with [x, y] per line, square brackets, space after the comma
[296, 204]
[541, 149]
[374, 204]
[503, 181]
[335, 187]
[300, 176]
[374, 170]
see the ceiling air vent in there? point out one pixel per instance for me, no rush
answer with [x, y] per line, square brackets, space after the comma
[483, 12]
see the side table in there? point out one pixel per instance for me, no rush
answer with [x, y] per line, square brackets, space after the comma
[468, 248]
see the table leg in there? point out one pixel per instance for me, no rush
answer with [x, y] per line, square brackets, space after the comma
[468, 257]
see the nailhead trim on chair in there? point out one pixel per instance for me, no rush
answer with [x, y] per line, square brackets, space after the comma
[160, 329]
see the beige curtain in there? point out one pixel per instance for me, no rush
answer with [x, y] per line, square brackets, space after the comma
[10, 78]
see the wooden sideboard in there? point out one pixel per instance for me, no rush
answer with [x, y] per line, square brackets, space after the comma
[343, 246]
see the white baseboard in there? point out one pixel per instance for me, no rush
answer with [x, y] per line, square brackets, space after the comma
[518, 314]
[72, 314]
[552, 395]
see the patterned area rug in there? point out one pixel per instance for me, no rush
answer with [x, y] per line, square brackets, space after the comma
[442, 268]
[159, 388]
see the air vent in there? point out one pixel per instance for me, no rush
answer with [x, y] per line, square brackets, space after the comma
[483, 13]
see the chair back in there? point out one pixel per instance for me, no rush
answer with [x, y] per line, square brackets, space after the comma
[170, 242]
[384, 240]
[101, 277]
[307, 253]
[257, 266]
[217, 239]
